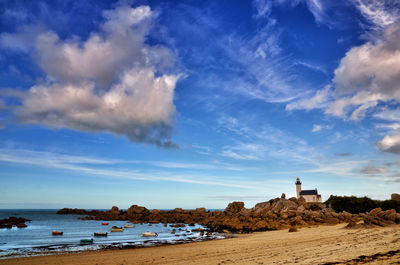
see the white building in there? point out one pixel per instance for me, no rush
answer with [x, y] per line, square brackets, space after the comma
[308, 195]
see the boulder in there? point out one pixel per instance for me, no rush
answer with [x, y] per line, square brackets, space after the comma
[395, 196]
[135, 209]
[234, 208]
[377, 212]
[390, 215]
[301, 201]
[21, 225]
[283, 204]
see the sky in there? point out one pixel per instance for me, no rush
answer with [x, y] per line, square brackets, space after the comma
[191, 104]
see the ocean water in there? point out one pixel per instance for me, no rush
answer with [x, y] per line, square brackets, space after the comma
[37, 238]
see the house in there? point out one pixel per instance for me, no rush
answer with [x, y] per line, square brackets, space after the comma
[308, 195]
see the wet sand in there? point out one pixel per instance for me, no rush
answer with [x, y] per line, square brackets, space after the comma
[316, 245]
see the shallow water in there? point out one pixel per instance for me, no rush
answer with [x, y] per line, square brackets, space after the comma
[37, 239]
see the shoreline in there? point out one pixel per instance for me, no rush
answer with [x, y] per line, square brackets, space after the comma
[58, 248]
[314, 245]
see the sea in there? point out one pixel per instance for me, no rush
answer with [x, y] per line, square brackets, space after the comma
[37, 238]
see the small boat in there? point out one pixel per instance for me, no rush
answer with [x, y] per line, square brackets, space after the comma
[57, 233]
[149, 234]
[129, 226]
[116, 229]
[100, 234]
[104, 223]
[87, 241]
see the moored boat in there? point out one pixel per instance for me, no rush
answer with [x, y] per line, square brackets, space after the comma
[104, 223]
[100, 234]
[129, 226]
[57, 233]
[149, 234]
[117, 229]
[87, 241]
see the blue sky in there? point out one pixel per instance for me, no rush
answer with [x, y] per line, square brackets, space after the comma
[197, 103]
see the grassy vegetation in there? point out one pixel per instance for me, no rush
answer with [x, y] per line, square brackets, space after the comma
[354, 204]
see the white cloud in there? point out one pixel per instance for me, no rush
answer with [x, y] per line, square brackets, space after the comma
[380, 13]
[263, 8]
[367, 75]
[319, 100]
[104, 168]
[111, 82]
[263, 142]
[390, 143]
[317, 127]
[244, 151]
[388, 115]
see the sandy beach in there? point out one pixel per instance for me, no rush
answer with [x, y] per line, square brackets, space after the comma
[315, 245]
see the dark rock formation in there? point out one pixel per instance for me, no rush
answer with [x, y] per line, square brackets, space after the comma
[275, 214]
[13, 221]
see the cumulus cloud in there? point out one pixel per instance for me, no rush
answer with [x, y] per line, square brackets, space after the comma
[112, 82]
[390, 143]
[367, 75]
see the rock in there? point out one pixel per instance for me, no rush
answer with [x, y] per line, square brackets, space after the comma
[283, 196]
[200, 210]
[395, 196]
[135, 210]
[114, 209]
[293, 229]
[301, 201]
[233, 208]
[377, 212]
[351, 225]
[178, 225]
[300, 209]
[72, 211]
[293, 199]
[283, 204]
[13, 221]
[346, 216]
[261, 205]
[390, 215]
[21, 225]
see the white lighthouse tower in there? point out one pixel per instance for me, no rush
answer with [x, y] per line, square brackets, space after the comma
[298, 187]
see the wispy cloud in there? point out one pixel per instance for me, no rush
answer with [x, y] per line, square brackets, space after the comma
[104, 168]
[256, 144]
[374, 170]
[380, 13]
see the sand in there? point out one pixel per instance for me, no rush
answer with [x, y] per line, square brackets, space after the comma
[316, 245]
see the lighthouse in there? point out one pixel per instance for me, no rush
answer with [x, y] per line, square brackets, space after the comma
[298, 187]
[308, 195]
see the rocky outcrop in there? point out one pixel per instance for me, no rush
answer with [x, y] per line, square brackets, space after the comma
[395, 197]
[234, 208]
[72, 211]
[14, 221]
[279, 213]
